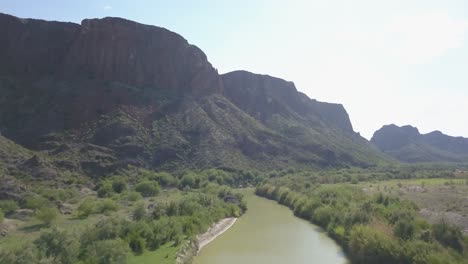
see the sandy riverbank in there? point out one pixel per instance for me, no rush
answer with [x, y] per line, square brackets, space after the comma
[214, 231]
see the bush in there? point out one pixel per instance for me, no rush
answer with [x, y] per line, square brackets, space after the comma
[448, 235]
[107, 252]
[8, 206]
[137, 244]
[59, 245]
[119, 184]
[47, 215]
[132, 196]
[19, 255]
[369, 246]
[2, 215]
[87, 207]
[105, 190]
[165, 179]
[139, 212]
[188, 180]
[404, 229]
[35, 202]
[147, 188]
[106, 206]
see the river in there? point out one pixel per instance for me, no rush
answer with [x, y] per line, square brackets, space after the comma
[269, 233]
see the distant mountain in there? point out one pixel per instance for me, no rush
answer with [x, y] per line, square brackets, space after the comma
[408, 145]
[96, 97]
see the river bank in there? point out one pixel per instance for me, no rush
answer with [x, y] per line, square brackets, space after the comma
[214, 231]
[193, 247]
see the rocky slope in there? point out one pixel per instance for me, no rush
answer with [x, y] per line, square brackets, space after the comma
[96, 97]
[408, 145]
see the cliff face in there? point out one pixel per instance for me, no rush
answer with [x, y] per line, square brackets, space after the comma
[125, 51]
[408, 145]
[32, 48]
[109, 49]
[264, 96]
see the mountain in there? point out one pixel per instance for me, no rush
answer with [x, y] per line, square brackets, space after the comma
[408, 145]
[97, 97]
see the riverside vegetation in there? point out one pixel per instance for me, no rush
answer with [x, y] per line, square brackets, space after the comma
[123, 218]
[378, 226]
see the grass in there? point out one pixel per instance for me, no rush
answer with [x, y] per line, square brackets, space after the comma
[166, 254]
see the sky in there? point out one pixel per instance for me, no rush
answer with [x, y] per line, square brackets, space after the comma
[401, 62]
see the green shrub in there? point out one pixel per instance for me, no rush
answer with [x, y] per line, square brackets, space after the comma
[36, 202]
[165, 179]
[131, 196]
[147, 188]
[62, 195]
[47, 215]
[139, 212]
[87, 207]
[106, 206]
[370, 246]
[137, 244]
[106, 252]
[8, 206]
[105, 190]
[19, 255]
[404, 229]
[448, 235]
[2, 215]
[188, 180]
[119, 184]
[59, 245]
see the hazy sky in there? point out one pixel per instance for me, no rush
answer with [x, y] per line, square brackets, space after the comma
[398, 61]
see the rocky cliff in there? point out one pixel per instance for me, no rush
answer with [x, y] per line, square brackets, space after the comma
[263, 96]
[408, 145]
[111, 49]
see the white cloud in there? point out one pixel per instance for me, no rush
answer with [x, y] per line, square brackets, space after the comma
[107, 7]
[418, 39]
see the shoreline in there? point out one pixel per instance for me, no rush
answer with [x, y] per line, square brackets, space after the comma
[215, 231]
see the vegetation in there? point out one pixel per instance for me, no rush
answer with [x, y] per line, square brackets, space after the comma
[372, 228]
[47, 215]
[126, 215]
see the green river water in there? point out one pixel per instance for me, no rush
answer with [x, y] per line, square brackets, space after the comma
[270, 234]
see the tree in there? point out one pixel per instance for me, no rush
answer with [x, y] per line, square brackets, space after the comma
[47, 215]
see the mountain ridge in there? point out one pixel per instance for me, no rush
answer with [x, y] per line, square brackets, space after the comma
[113, 93]
[407, 144]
